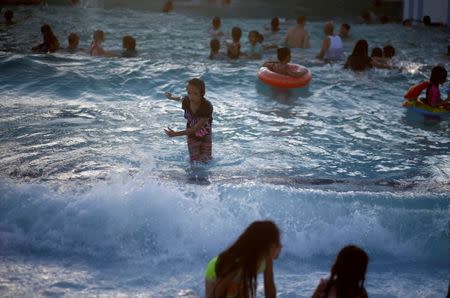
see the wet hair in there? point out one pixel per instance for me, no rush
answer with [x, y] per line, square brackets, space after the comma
[275, 24]
[8, 15]
[214, 44]
[388, 51]
[346, 26]
[168, 6]
[49, 37]
[129, 42]
[283, 53]
[377, 52]
[199, 84]
[73, 39]
[301, 20]
[426, 20]
[246, 253]
[348, 272]
[216, 22]
[361, 48]
[236, 33]
[438, 75]
[99, 35]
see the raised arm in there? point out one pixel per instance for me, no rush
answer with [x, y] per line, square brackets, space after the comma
[172, 97]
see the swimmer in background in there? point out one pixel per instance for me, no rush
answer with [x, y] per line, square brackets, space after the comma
[282, 65]
[407, 23]
[234, 272]
[215, 53]
[8, 16]
[129, 46]
[72, 43]
[298, 36]
[332, 47]
[198, 114]
[168, 7]
[433, 94]
[50, 43]
[377, 59]
[347, 275]
[388, 54]
[234, 48]
[96, 45]
[215, 29]
[255, 47]
[344, 31]
[359, 60]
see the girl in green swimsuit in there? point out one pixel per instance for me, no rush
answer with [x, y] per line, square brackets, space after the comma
[234, 272]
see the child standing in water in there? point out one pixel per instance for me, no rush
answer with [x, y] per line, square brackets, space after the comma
[234, 272]
[234, 49]
[198, 115]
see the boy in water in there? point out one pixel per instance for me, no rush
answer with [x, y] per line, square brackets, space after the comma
[297, 36]
[282, 65]
[215, 29]
[129, 44]
[234, 49]
[344, 32]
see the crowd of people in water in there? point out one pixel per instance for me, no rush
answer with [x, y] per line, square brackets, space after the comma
[198, 111]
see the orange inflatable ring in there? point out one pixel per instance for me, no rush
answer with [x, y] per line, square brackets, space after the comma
[282, 81]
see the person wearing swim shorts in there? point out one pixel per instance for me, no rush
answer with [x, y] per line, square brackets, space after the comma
[198, 114]
[234, 272]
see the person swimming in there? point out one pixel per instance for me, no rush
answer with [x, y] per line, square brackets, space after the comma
[298, 36]
[282, 65]
[433, 94]
[215, 53]
[234, 272]
[359, 59]
[332, 47]
[50, 43]
[234, 48]
[129, 46]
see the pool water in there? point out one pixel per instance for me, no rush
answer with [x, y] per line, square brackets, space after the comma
[96, 200]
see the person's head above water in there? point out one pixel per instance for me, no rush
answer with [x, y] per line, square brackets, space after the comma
[129, 43]
[236, 33]
[349, 272]
[284, 54]
[99, 36]
[73, 40]
[275, 24]
[196, 88]
[361, 48]
[438, 75]
[328, 28]
[214, 44]
[216, 23]
[388, 51]
[344, 30]
[377, 52]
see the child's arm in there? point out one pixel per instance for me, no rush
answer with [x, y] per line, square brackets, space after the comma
[270, 290]
[188, 131]
[172, 97]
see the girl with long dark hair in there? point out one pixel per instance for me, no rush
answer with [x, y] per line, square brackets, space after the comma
[347, 275]
[234, 272]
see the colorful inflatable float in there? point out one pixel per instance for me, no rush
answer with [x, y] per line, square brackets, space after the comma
[418, 105]
[283, 81]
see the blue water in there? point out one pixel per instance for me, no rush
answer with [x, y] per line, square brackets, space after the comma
[96, 200]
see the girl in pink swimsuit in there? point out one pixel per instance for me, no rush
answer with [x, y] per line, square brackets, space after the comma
[433, 95]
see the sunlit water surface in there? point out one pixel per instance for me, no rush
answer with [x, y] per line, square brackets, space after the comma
[96, 200]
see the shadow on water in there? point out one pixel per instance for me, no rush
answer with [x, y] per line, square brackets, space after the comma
[282, 95]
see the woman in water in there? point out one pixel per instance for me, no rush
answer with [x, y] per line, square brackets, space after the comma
[234, 272]
[347, 275]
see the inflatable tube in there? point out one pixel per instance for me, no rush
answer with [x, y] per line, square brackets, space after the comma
[282, 81]
[414, 91]
[418, 106]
